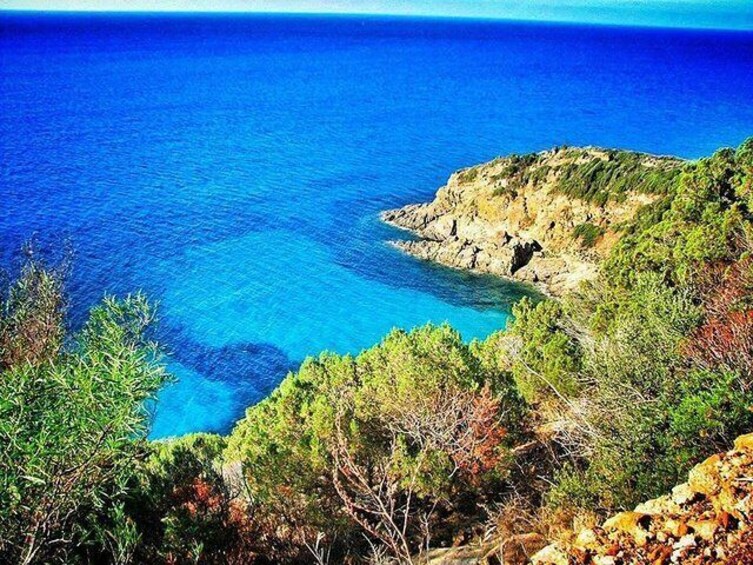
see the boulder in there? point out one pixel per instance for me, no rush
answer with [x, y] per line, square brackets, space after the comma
[704, 478]
[634, 524]
[683, 494]
[550, 555]
[744, 443]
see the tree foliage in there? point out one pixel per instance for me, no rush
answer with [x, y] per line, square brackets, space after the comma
[384, 443]
[71, 415]
[584, 405]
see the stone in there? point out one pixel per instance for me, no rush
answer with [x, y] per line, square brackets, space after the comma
[744, 443]
[725, 520]
[635, 524]
[682, 494]
[705, 529]
[677, 528]
[586, 540]
[704, 478]
[661, 505]
[612, 550]
[550, 555]
[685, 542]
[660, 555]
[529, 223]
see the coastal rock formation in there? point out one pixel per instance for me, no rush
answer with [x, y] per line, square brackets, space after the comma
[543, 218]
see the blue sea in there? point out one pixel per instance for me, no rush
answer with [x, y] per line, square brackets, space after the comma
[233, 167]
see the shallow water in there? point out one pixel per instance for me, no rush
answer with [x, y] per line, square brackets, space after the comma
[233, 167]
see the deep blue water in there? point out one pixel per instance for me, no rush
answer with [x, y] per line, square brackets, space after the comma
[233, 166]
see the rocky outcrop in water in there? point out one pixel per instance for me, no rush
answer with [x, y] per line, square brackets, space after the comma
[545, 218]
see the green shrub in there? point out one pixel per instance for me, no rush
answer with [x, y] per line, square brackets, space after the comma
[468, 175]
[71, 421]
[639, 376]
[643, 417]
[32, 314]
[594, 177]
[706, 220]
[184, 510]
[599, 179]
[505, 191]
[392, 410]
[588, 234]
[549, 359]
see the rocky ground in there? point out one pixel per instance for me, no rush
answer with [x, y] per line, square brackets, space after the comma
[509, 217]
[707, 520]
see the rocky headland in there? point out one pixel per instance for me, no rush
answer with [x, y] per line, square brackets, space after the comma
[544, 218]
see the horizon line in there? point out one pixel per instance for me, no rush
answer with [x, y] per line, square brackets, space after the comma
[396, 15]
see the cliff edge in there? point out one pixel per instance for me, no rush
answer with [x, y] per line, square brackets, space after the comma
[545, 218]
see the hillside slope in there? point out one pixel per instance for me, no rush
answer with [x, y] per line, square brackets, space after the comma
[546, 218]
[705, 520]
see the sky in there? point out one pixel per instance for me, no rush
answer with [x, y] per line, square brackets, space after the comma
[730, 14]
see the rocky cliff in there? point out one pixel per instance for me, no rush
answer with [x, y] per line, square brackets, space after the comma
[544, 218]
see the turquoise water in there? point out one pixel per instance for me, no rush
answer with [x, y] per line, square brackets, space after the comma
[233, 167]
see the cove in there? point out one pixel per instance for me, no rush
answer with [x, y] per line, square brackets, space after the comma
[233, 167]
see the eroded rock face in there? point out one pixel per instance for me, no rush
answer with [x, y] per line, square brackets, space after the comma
[708, 520]
[515, 221]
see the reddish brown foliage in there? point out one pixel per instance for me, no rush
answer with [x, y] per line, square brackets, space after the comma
[723, 287]
[725, 339]
[31, 316]
[478, 448]
[209, 507]
[200, 498]
[384, 499]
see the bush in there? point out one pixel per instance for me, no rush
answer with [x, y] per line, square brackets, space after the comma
[548, 359]
[32, 313]
[632, 375]
[72, 412]
[588, 234]
[600, 179]
[410, 425]
[707, 220]
[184, 510]
[631, 381]
[468, 175]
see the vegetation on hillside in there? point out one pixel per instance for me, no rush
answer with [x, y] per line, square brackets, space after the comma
[588, 234]
[402, 443]
[581, 407]
[648, 371]
[613, 174]
[597, 176]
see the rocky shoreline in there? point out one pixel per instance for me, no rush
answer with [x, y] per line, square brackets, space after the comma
[513, 217]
